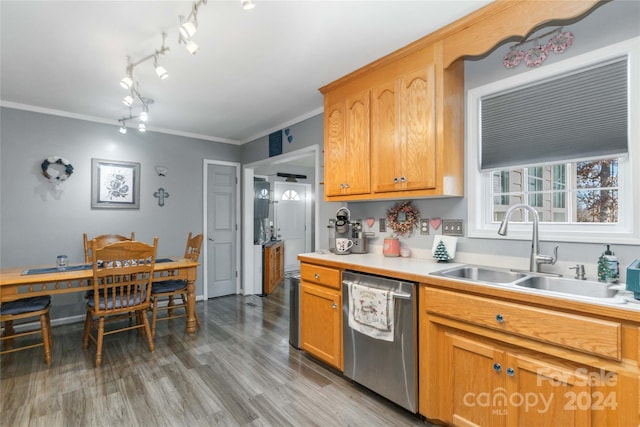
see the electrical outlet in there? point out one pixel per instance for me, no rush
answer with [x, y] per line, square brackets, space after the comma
[452, 227]
[424, 226]
[383, 225]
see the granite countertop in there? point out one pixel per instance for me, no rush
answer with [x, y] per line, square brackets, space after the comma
[419, 270]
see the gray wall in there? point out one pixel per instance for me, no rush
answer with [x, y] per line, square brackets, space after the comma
[37, 222]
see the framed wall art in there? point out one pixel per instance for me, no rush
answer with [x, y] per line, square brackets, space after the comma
[115, 184]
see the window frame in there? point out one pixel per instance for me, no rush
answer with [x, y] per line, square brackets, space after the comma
[479, 183]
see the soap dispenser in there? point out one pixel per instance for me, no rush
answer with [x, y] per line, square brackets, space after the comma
[608, 267]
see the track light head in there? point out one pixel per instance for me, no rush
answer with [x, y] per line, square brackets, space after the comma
[160, 70]
[126, 82]
[189, 28]
[123, 128]
[142, 127]
[247, 4]
[191, 46]
[144, 116]
[128, 100]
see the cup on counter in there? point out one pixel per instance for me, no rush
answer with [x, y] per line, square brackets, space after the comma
[62, 262]
[405, 252]
[343, 245]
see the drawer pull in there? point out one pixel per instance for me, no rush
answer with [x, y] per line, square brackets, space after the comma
[511, 372]
[334, 305]
[317, 276]
[499, 318]
[497, 367]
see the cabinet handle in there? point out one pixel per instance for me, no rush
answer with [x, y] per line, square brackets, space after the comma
[346, 185]
[395, 179]
[497, 367]
[341, 186]
[316, 276]
[334, 305]
[499, 318]
[402, 179]
[511, 372]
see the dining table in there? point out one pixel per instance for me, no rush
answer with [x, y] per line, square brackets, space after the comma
[21, 282]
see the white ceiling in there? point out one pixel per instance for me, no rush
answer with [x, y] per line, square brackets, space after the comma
[256, 71]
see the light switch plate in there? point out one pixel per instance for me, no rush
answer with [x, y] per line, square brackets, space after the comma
[452, 227]
[424, 226]
[383, 225]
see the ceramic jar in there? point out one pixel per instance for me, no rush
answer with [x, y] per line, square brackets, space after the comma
[391, 247]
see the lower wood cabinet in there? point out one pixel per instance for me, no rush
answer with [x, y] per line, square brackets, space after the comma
[273, 266]
[476, 375]
[321, 314]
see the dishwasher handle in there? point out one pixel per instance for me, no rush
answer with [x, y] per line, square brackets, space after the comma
[394, 294]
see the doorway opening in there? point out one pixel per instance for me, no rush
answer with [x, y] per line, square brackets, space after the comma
[306, 159]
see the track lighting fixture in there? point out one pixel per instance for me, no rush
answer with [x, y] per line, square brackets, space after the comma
[247, 4]
[189, 26]
[134, 95]
[142, 117]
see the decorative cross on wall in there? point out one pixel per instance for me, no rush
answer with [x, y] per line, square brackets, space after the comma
[161, 195]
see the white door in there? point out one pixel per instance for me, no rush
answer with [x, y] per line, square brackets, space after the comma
[293, 220]
[222, 230]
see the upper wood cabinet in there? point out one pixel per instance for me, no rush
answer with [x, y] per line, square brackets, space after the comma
[396, 130]
[409, 141]
[346, 136]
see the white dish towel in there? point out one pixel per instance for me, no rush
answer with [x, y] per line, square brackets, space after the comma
[371, 311]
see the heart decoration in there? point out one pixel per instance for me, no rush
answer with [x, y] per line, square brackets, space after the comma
[370, 222]
[435, 223]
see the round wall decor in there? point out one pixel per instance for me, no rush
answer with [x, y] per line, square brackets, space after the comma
[56, 169]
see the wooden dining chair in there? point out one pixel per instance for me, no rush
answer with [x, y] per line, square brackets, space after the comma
[168, 290]
[24, 311]
[102, 241]
[122, 278]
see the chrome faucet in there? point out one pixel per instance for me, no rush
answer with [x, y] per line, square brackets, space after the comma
[536, 257]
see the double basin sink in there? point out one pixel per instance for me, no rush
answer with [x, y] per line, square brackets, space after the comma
[532, 281]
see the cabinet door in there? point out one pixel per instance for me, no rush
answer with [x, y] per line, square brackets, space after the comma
[474, 373]
[418, 130]
[334, 128]
[346, 152]
[321, 323]
[404, 132]
[544, 394]
[385, 139]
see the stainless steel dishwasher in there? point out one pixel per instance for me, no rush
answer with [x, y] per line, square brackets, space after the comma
[388, 368]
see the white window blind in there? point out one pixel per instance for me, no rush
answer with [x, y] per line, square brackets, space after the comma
[571, 117]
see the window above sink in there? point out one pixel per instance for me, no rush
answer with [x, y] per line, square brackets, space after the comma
[591, 198]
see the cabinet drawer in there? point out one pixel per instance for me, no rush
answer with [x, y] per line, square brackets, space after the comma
[322, 275]
[582, 333]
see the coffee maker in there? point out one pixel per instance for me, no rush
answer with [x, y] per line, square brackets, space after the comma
[359, 237]
[339, 227]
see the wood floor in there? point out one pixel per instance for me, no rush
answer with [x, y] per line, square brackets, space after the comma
[238, 370]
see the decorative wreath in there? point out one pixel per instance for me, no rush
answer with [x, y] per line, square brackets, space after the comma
[403, 218]
[68, 169]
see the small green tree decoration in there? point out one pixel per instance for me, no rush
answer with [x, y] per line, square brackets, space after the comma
[441, 254]
[604, 271]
